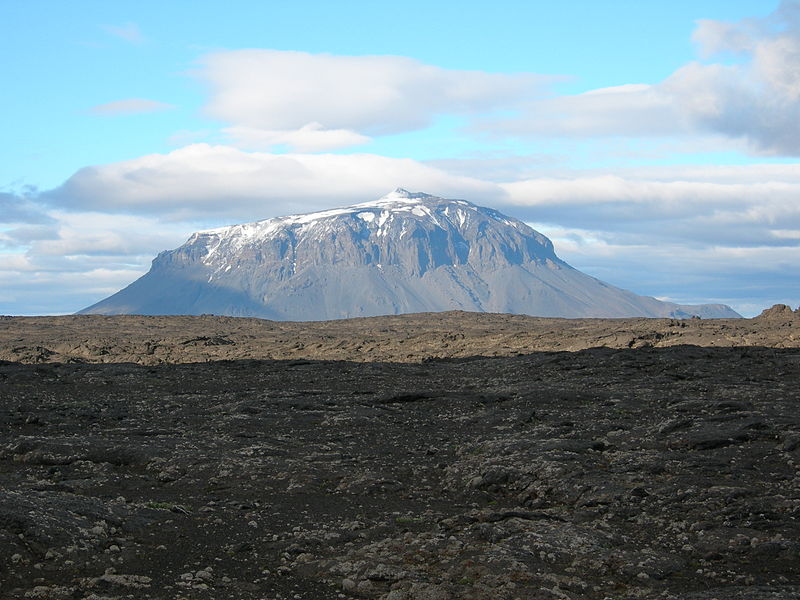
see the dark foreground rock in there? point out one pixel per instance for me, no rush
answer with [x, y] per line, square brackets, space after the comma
[619, 474]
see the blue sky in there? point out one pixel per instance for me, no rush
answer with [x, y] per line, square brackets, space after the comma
[656, 143]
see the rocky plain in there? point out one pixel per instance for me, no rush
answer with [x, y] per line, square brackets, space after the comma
[420, 457]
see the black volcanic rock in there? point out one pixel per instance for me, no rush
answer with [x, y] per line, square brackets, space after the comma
[407, 252]
[649, 473]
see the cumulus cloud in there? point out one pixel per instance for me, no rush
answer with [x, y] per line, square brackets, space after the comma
[20, 236]
[29, 290]
[87, 234]
[295, 96]
[17, 208]
[726, 210]
[714, 37]
[747, 278]
[626, 110]
[201, 180]
[497, 167]
[312, 137]
[130, 106]
[82, 257]
[686, 233]
[74, 235]
[754, 98]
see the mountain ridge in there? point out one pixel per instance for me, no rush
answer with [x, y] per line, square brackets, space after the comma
[405, 252]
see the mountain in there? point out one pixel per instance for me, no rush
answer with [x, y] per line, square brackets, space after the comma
[406, 252]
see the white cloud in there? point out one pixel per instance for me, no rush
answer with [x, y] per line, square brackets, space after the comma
[312, 137]
[714, 37]
[31, 291]
[14, 263]
[747, 278]
[755, 99]
[83, 240]
[202, 180]
[12, 238]
[628, 110]
[20, 208]
[294, 96]
[86, 234]
[130, 106]
[498, 167]
[78, 260]
[739, 207]
[750, 173]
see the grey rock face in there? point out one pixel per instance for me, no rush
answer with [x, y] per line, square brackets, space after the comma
[406, 252]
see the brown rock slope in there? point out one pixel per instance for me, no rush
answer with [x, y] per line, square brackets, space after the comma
[404, 338]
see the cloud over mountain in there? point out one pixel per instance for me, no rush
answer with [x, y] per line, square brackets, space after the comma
[740, 206]
[272, 96]
[203, 180]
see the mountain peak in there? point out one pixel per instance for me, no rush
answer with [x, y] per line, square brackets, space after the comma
[405, 252]
[398, 200]
[402, 193]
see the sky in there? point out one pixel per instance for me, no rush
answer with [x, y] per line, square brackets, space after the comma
[657, 144]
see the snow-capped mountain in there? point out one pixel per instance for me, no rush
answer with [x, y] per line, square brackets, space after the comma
[406, 252]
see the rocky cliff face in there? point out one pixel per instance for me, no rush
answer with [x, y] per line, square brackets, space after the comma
[406, 252]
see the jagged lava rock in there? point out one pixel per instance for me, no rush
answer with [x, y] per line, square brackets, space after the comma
[404, 253]
[779, 312]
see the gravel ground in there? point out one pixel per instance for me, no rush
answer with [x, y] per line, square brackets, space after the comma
[402, 338]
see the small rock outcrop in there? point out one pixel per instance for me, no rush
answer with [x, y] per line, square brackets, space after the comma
[779, 312]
